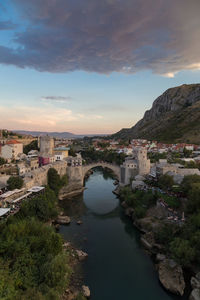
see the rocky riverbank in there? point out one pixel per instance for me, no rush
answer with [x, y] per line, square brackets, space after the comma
[76, 290]
[170, 273]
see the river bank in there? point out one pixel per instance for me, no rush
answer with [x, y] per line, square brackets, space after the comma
[172, 275]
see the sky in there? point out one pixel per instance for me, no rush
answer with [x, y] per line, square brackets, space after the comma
[90, 66]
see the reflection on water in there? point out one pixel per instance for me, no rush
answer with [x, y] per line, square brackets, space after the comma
[117, 267]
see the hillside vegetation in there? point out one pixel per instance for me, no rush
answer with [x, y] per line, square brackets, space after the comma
[174, 117]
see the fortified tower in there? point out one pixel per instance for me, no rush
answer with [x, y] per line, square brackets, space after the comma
[133, 166]
[142, 161]
[46, 144]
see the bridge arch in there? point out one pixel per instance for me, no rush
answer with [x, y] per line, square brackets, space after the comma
[113, 167]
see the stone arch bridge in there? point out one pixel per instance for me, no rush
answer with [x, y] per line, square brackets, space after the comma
[113, 167]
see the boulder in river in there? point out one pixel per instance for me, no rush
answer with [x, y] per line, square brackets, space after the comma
[195, 295]
[79, 222]
[86, 291]
[171, 276]
[195, 283]
[160, 257]
[145, 243]
[63, 220]
[81, 255]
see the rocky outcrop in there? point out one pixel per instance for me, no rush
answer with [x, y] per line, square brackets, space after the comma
[171, 276]
[63, 220]
[81, 255]
[160, 257]
[179, 110]
[195, 283]
[195, 295]
[86, 291]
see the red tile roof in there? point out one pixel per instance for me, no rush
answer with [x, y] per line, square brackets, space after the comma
[12, 142]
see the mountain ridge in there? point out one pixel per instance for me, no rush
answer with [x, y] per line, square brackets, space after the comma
[64, 135]
[174, 117]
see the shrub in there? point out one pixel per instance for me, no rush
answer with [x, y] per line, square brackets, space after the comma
[15, 182]
[182, 251]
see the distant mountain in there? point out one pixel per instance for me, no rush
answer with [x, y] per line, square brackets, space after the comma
[62, 135]
[174, 117]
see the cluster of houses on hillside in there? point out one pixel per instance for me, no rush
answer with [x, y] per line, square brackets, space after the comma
[152, 146]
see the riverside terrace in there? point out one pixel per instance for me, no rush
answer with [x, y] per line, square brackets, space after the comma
[11, 201]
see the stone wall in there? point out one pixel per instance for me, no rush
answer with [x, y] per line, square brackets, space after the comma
[39, 176]
[75, 184]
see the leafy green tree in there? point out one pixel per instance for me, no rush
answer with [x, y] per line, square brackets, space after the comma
[193, 204]
[2, 161]
[72, 151]
[5, 134]
[188, 181]
[140, 212]
[187, 153]
[32, 264]
[54, 181]
[43, 207]
[32, 146]
[166, 181]
[165, 234]
[182, 251]
[15, 182]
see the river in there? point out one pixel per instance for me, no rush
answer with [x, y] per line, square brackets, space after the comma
[117, 267]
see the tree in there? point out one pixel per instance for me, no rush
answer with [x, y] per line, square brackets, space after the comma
[72, 151]
[54, 181]
[193, 204]
[32, 146]
[166, 181]
[15, 182]
[182, 251]
[2, 161]
[188, 181]
[187, 152]
[42, 207]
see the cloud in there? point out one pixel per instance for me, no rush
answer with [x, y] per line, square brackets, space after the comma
[57, 99]
[107, 36]
[43, 118]
[7, 25]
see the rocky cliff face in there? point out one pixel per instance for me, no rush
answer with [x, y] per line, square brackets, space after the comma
[174, 116]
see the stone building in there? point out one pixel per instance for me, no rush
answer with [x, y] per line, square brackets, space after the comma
[61, 153]
[11, 150]
[138, 164]
[46, 145]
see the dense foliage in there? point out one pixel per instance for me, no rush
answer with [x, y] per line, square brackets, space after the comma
[33, 264]
[32, 146]
[42, 206]
[2, 161]
[140, 201]
[180, 242]
[55, 182]
[155, 156]
[183, 243]
[165, 181]
[15, 182]
[109, 156]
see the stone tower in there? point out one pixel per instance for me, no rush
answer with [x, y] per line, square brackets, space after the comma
[142, 161]
[46, 145]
